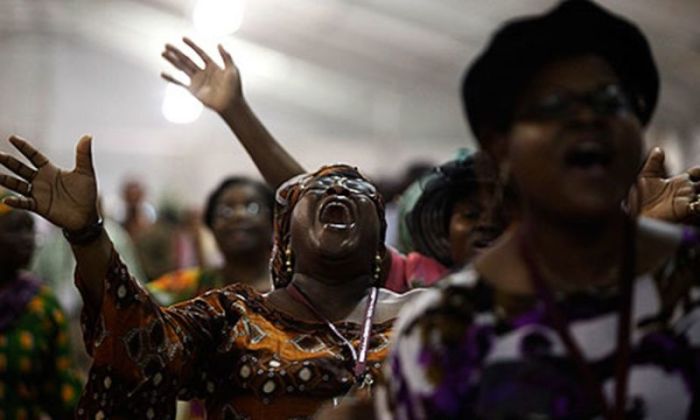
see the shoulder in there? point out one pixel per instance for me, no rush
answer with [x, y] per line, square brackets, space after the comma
[437, 334]
[457, 299]
[422, 270]
[175, 286]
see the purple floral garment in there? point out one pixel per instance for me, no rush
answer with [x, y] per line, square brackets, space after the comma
[456, 356]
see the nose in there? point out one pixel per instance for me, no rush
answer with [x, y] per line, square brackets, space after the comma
[583, 111]
[337, 188]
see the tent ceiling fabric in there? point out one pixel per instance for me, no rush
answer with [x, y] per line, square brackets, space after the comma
[341, 70]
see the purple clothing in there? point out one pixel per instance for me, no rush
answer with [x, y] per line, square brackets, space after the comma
[457, 355]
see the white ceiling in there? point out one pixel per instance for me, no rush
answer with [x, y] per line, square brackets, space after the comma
[372, 82]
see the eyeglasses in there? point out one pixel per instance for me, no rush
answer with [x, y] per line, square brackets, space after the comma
[252, 208]
[353, 185]
[605, 101]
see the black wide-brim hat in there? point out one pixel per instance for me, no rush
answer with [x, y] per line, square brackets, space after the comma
[522, 46]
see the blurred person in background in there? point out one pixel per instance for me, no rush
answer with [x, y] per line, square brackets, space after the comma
[36, 373]
[456, 213]
[138, 215]
[580, 309]
[239, 214]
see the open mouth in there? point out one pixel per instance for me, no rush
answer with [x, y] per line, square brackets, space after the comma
[337, 214]
[589, 155]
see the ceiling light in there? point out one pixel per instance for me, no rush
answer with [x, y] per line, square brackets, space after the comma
[179, 106]
[217, 18]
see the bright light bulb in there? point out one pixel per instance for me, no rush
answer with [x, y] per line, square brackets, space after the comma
[179, 106]
[217, 18]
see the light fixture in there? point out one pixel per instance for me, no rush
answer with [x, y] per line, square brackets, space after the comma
[217, 18]
[179, 106]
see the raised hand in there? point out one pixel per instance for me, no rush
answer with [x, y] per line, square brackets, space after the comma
[67, 199]
[671, 199]
[217, 88]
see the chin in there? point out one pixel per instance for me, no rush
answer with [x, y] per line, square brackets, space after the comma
[336, 251]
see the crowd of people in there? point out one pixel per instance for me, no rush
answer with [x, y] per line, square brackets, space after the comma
[552, 273]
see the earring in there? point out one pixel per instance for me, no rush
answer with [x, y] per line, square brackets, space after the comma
[377, 268]
[288, 260]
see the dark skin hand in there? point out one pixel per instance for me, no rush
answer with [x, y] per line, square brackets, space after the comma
[666, 198]
[68, 199]
[220, 90]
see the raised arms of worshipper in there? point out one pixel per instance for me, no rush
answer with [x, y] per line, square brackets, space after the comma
[68, 199]
[220, 89]
[673, 199]
[118, 312]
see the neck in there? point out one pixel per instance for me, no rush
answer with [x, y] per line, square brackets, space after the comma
[250, 268]
[577, 252]
[334, 301]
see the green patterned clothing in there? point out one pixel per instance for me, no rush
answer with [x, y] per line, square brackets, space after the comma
[36, 373]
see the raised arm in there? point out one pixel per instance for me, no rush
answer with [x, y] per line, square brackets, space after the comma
[220, 89]
[68, 199]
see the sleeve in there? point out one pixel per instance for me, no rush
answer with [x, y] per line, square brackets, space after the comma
[432, 370]
[61, 385]
[174, 287]
[146, 356]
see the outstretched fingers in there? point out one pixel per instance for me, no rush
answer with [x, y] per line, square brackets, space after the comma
[694, 173]
[17, 167]
[171, 79]
[179, 60]
[83, 156]
[228, 60]
[24, 203]
[654, 164]
[16, 184]
[29, 151]
[200, 52]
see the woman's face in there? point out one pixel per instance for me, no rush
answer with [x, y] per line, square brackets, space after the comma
[242, 222]
[16, 240]
[472, 226]
[575, 146]
[336, 221]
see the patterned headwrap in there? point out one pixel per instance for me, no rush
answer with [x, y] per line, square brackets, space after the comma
[288, 195]
[4, 208]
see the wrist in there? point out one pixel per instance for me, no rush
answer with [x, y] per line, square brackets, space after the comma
[85, 235]
[235, 108]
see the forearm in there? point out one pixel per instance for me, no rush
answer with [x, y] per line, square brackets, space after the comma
[274, 162]
[92, 261]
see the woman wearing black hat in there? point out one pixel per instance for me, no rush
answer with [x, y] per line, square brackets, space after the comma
[580, 310]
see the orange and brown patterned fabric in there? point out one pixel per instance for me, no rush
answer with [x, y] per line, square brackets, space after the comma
[228, 347]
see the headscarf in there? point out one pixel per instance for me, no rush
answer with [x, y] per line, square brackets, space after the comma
[429, 220]
[287, 197]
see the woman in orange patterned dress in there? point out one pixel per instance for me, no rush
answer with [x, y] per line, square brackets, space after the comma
[322, 332]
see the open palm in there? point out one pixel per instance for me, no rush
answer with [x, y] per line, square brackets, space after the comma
[65, 198]
[663, 197]
[217, 88]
